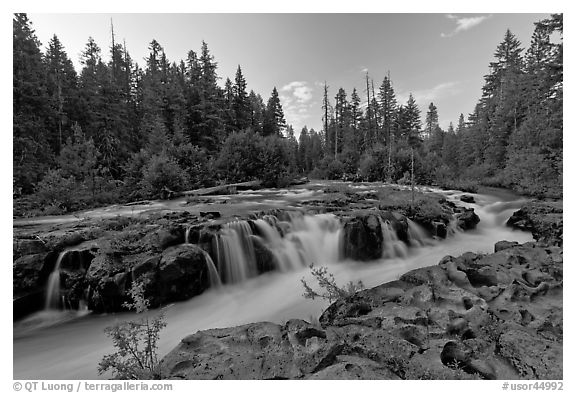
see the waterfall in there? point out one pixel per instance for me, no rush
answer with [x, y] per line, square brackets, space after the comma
[235, 252]
[416, 235]
[187, 235]
[309, 240]
[53, 287]
[392, 247]
[215, 281]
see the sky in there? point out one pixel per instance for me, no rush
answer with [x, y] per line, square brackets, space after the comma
[439, 58]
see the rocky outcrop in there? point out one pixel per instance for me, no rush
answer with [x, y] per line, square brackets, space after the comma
[182, 272]
[543, 219]
[363, 238]
[496, 316]
[467, 219]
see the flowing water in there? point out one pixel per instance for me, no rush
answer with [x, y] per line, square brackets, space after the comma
[68, 345]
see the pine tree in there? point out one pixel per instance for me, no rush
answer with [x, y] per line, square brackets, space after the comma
[61, 86]
[32, 154]
[241, 104]
[388, 107]
[257, 110]
[274, 122]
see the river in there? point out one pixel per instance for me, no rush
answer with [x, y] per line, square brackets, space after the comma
[69, 345]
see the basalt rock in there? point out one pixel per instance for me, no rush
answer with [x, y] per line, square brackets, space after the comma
[182, 272]
[543, 219]
[363, 238]
[467, 219]
[467, 199]
[496, 316]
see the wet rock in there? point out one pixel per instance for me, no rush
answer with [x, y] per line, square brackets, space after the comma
[183, 272]
[468, 219]
[107, 280]
[23, 247]
[543, 219]
[169, 236]
[363, 240]
[437, 322]
[504, 244]
[30, 272]
[265, 259]
[467, 199]
[210, 215]
[440, 229]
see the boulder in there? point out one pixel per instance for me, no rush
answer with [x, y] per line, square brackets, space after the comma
[107, 279]
[30, 272]
[182, 272]
[169, 236]
[467, 219]
[265, 259]
[23, 247]
[543, 219]
[363, 240]
[504, 244]
[467, 199]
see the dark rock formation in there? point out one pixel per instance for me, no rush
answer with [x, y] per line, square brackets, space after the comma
[504, 244]
[182, 272]
[363, 237]
[543, 219]
[496, 316]
[467, 219]
[467, 199]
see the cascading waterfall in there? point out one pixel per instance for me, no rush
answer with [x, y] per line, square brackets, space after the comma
[235, 252]
[215, 281]
[416, 235]
[392, 246]
[187, 235]
[53, 286]
[309, 240]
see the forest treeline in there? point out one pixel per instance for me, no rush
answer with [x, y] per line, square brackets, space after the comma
[115, 131]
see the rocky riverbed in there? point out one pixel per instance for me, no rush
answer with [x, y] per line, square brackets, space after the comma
[452, 320]
[98, 259]
[476, 316]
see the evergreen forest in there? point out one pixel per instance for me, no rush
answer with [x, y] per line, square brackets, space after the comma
[116, 131]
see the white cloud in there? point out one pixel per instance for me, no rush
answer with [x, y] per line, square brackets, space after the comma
[296, 98]
[464, 23]
[425, 96]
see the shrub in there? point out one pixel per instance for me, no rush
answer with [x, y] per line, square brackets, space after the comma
[56, 191]
[162, 172]
[332, 291]
[136, 342]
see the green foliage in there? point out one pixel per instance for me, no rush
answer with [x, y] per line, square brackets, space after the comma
[55, 191]
[136, 342]
[170, 124]
[274, 158]
[163, 172]
[330, 290]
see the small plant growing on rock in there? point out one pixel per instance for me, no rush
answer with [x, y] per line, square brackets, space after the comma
[327, 282]
[136, 342]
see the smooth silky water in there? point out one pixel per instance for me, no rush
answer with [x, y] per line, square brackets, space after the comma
[69, 344]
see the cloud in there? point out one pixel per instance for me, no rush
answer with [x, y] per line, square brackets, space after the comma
[464, 23]
[299, 90]
[296, 98]
[425, 96]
